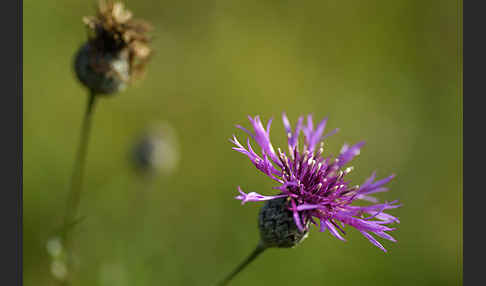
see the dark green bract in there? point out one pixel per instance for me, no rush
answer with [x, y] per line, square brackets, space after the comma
[277, 226]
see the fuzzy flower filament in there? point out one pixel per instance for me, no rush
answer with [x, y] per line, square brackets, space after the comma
[315, 186]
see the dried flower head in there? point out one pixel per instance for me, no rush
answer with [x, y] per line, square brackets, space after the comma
[313, 187]
[116, 51]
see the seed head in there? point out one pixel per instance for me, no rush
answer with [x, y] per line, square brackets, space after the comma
[116, 51]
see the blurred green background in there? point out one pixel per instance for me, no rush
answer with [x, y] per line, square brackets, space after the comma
[386, 72]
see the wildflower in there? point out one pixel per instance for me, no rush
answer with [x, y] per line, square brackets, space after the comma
[312, 188]
[116, 51]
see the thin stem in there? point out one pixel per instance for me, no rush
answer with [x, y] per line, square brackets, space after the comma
[256, 252]
[79, 163]
[76, 184]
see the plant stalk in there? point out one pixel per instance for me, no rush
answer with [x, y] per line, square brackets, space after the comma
[79, 165]
[76, 184]
[256, 252]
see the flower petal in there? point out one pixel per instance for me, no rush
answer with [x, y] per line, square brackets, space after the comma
[297, 219]
[373, 240]
[333, 230]
[348, 153]
[292, 137]
[255, 197]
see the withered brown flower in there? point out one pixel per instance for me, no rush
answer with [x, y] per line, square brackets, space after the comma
[117, 49]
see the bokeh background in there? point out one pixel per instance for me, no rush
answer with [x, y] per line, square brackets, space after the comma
[387, 72]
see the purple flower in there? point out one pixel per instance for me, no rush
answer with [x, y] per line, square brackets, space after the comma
[314, 185]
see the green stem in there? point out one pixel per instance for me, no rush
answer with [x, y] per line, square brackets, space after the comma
[76, 184]
[79, 164]
[256, 252]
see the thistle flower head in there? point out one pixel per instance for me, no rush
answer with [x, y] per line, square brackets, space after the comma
[313, 186]
[116, 51]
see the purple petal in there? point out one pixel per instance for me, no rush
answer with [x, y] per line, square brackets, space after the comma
[382, 182]
[373, 240]
[367, 198]
[262, 164]
[377, 212]
[255, 197]
[286, 123]
[348, 153]
[387, 218]
[385, 236]
[369, 180]
[330, 133]
[369, 187]
[360, 224]
[262, 137]
[317, 134]
[269, 123]
[306, 207]
[308, 130]
[323, 226]
[385, 206]
[297, 219]
[246, 131]
[333, 230]
[292, 137]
